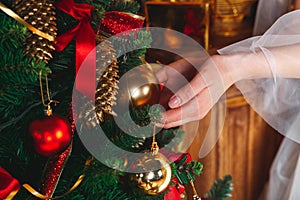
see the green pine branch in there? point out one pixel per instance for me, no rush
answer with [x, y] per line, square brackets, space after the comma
[221, 189]
[122, 6]
[185, 172]
[19, 75]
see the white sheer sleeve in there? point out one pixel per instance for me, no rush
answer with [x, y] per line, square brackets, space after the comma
[267, 12]
[276, 99]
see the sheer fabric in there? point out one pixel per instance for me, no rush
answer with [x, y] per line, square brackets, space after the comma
[277, 101]
[268, 11]
[284, 180]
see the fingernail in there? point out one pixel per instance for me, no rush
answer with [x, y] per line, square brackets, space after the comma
[174, 101]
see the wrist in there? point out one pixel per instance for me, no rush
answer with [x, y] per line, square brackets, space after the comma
[228, 69]
[243, 66]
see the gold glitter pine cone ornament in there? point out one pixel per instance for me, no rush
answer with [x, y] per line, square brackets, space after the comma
[107, 84]
[41, 15]
[107, 69]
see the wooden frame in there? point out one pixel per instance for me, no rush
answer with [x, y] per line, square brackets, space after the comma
[196, 7]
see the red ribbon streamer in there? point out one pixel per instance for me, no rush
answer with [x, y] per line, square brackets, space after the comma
[8, 184]
[85, 44]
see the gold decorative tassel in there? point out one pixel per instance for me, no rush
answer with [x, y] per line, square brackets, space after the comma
[108, 73]
[40, 14]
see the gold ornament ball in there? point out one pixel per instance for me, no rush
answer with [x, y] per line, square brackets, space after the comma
[138, 87]
[156, 173]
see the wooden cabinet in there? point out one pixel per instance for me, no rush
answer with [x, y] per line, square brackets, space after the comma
[245, 150]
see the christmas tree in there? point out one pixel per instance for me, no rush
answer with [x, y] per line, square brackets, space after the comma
[42, 154]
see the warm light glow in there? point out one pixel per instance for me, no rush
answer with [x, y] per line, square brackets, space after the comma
[135, 93]
[160, 173]
[146, 90]
[59, 134]
[150, 176]
[49, 138]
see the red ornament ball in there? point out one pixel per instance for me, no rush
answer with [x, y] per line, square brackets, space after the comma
[51, 135]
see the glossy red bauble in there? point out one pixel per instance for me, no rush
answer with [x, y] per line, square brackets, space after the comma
[51, 135]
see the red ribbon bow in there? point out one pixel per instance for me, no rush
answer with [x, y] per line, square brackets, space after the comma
[85, 44]
[8, 184]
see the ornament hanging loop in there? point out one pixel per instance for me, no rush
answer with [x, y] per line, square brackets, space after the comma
[154, 146]
[48, 111]
[195, 195]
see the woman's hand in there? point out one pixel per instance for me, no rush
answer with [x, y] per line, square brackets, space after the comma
[192, 99]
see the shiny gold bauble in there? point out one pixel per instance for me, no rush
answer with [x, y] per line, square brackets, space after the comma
[154, 173]
[138, 87]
